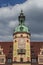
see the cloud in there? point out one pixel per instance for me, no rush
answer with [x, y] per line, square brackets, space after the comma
[6, 38]
[37, 37]
[13, 23]
[33, 10]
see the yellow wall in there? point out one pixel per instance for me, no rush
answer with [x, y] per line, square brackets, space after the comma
[27, 46]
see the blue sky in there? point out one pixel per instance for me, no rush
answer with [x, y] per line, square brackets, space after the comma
[4, 3]
[33, 10]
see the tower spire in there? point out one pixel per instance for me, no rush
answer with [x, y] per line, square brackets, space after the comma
[21, 17]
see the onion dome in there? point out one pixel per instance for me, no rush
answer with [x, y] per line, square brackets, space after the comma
[21, 27]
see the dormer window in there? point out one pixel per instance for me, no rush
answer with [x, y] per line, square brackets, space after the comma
[27, 40]
[21, 35]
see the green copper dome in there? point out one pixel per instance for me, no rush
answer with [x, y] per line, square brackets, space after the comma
[21, 27]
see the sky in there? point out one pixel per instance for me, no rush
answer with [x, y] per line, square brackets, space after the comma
[9, 12]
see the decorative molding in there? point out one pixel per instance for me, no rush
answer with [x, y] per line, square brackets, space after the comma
[40, 56]
[2, 56]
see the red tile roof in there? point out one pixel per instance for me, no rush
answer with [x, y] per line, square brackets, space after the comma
[35, 46]
[8, 46]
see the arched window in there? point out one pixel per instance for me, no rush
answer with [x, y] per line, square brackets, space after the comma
[21, 35]
[27, 41]
[15, 41]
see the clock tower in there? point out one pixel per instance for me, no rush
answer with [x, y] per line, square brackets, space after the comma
[21, 41]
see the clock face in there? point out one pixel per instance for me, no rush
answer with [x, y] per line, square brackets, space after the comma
[21, 43]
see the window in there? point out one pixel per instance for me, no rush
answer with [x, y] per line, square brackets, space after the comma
[28, 59]
[9, 60]
[41, 60]
[10, 46]
[34, 60]
[21, 51]
[1, 60]
[15, 59]
[21, 59]
[15, 36]
[31, 46]
[15, 41]
[27, 36]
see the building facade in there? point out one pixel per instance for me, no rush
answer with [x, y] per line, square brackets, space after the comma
[36, 53]
[21, 51]
[2, 56]
[21, 41]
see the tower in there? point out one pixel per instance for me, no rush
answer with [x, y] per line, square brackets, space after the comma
[21, 41]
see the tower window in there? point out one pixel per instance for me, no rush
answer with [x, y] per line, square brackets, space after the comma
[15, 41]
[21, 35]
[21, 59]
[27, 36]
[21, 51]
[27, 40]
[15, 36]
[27, 58]
[2, 60]
[15, 59]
